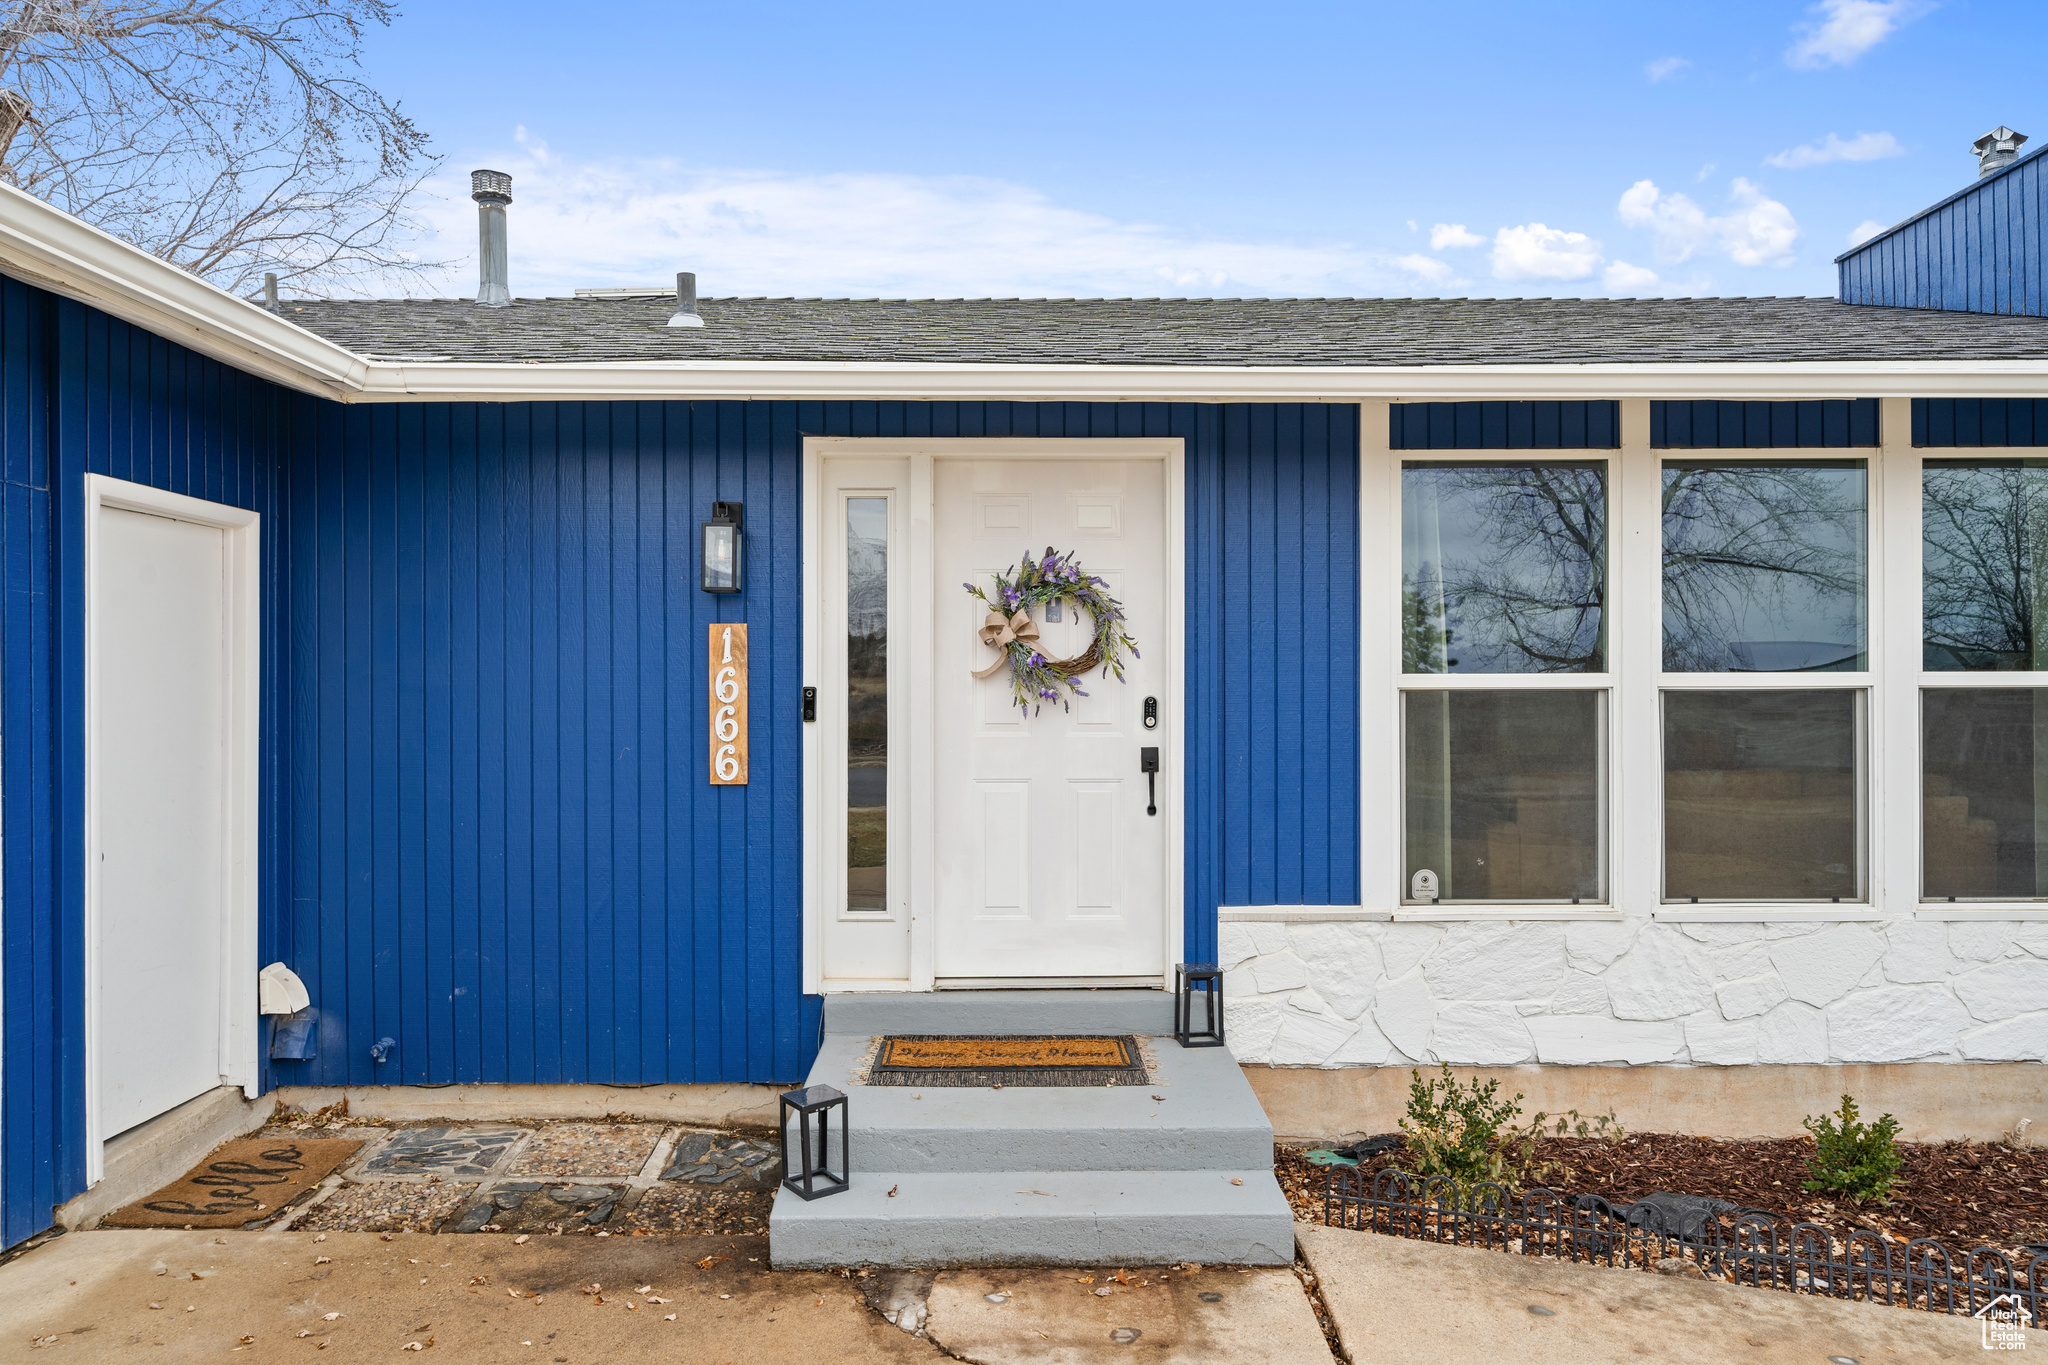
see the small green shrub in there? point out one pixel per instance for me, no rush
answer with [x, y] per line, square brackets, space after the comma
[1851, 1157]
[1465, 1132]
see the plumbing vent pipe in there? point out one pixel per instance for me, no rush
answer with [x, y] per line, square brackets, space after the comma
[270, 290]
[686, 301]
[492, 191]
[1997, 149]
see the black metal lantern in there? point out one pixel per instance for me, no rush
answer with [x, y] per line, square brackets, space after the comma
[722, 567]
[1185, 977]
[812, 1154]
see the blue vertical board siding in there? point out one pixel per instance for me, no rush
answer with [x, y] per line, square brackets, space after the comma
[1710, 424]
[84, 393]
[1543, 424]
[1980, 421]
[1983, 249]
[486, 830]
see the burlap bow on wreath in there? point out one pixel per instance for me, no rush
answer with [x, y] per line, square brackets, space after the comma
[1010, 630]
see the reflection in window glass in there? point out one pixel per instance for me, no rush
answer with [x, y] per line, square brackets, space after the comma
[1505, 794]
[867, 703]
[1765, 567]
[1984, 527]
[1984, 789]
[1763, 796]
[1503, 568]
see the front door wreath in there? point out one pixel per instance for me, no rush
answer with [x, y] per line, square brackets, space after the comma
[1010, 630]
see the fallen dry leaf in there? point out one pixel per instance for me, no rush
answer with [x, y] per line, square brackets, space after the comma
[1122, 1277]
[520, 1240]
[329, 1317]
[892, 1191]
[319, 1236]
[156, 1305]
[322, 1260]
[656, 1298]
[245, 1340]
[304, 1333]
[1235, 1181]
[386, 1236]
[413, 1346]
[645, 1289]
[710, 1261]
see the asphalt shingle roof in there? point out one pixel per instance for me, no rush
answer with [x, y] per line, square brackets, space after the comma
[1276, 332]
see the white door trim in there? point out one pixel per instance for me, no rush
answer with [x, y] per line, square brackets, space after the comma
[242, 605]
[921, 452]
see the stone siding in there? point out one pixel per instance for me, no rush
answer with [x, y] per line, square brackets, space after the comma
[1584, 992]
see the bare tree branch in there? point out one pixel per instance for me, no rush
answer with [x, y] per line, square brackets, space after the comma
[229, 137]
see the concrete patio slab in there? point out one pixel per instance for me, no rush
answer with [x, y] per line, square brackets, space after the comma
[86, 1297]
[1395, 1302]
[1049, 1317]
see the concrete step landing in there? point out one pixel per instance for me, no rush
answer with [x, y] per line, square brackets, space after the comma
[1177, 1170]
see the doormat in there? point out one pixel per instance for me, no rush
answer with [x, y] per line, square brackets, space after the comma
[249, 1180]
[950, 1060]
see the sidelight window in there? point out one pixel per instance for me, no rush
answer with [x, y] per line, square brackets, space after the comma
[867, 704]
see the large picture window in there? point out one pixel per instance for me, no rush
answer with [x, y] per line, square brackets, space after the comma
[1766, 566]
[1504, 567]
[1505, 795]
[1764, 795]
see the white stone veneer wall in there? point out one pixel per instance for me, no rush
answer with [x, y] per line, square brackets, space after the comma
[1639, 991]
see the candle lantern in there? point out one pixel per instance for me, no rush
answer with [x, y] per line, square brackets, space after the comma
[808, 1117]
[1186, 977]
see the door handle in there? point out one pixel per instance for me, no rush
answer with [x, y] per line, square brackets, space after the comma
[1148, 764]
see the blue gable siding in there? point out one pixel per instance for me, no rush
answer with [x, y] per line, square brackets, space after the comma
[1980, 421]
[1707, 424]
[1544, 424]
[1983, 249]
[485, 827]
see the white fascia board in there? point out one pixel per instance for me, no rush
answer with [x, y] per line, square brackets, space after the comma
[49, 248]
[1194, 383]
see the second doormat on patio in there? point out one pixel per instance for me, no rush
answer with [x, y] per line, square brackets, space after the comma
[954, 1060]
[246, 1180]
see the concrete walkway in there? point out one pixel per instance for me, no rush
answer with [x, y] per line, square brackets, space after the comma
[174, 1296]
[1397, 1302]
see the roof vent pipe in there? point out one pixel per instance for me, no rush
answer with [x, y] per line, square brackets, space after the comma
[686, 301]
[1997, 149]
[270, 291]
[492, 190]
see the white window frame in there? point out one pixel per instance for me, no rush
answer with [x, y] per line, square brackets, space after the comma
[1384, 683]
[1636, 681]
[1913, 681]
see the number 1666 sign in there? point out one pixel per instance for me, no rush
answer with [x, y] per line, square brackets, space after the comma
[728, 705]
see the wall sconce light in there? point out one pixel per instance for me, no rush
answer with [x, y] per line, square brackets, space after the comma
[722, 548]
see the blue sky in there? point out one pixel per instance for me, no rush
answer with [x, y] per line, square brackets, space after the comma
[1056, 148]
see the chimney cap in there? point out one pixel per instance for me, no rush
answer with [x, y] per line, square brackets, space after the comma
[1997, 149]
[490, 187]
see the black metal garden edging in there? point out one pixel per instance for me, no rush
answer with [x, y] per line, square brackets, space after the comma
[1757, 1249]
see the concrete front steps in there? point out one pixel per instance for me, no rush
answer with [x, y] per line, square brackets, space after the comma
[1040, 1176]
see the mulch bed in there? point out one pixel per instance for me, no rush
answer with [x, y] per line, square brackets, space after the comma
[1965, 1194]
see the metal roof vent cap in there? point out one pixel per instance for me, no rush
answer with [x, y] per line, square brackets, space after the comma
[1997, 149]
[492, 191]
[686, 301]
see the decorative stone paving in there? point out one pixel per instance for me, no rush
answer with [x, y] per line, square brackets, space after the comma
[717, 1159]
[588, 1149]
[535, 1206]
[736, 1208]
[386, 1206]
[444, 1152]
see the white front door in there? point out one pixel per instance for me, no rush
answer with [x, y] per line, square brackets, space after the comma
[1049, 866]
[161, 773]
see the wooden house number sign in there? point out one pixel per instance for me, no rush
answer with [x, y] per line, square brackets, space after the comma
[728, 705]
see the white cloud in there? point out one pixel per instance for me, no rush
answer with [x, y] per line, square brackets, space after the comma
[1453, 234]
[1664, 68]
[1429, 267]
[1623, 278]
[1847, 29]
[578, 223]
[1862, 147]
[1535, 252]
[1864, 231]
[1757, 230]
